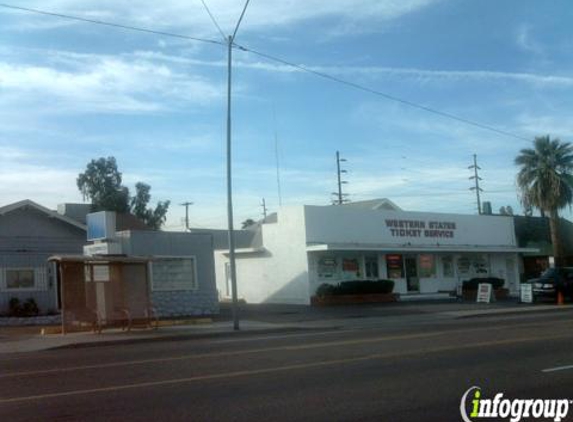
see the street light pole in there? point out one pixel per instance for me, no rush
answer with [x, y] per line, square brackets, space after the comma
[232, 263]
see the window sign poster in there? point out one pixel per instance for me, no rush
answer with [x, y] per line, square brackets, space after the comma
[448, 266]
[350, 268]
[463, 266]
[327, 267]
[427, 265]
[395, 266]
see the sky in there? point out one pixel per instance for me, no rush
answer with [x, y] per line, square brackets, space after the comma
[73, 91]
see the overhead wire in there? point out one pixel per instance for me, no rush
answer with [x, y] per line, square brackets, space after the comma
[213, 19]
[111, 24]
[240, 20]
[381, 94]
[276, 59]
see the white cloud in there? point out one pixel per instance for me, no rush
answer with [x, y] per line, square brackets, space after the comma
[190, 17]
[94, 83]
[525, 41]
[421, 75]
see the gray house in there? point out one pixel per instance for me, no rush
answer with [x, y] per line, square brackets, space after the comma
[182, 270]
[29, 234]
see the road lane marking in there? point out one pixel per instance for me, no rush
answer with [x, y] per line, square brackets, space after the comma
[225, 354]
[558, 368]
[292, 335]
[277, 369]
[317, 345]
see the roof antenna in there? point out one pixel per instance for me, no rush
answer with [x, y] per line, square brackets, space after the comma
[277, 156]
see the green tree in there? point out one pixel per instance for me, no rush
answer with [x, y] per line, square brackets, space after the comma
[154, 218]
[248, 222]
[546, 182]
[101, 183]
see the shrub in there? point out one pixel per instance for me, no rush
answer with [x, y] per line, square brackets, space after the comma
[14, 307]
[30, 308]
[472, 284]
[19, 309]
[358, 287]
[325, 289]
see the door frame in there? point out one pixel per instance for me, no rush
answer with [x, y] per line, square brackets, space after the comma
[412, 287]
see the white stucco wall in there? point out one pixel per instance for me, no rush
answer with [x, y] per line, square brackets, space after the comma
[279, 274]
[358, 226]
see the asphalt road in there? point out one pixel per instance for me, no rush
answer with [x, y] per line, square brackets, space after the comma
[373, 373]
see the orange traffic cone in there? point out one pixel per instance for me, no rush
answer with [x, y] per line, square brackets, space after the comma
[560, 298]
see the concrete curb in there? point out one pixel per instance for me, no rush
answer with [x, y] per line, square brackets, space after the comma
[184, 337]
[505, 312]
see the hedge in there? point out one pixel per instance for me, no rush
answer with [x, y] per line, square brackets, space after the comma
[472, 284]
[357, 287]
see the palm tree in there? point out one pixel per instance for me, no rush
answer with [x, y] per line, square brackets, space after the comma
[546, 182]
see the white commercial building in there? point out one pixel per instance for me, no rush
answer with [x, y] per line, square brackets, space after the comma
[301, 247]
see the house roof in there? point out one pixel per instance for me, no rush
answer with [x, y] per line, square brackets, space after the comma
[27, 203]
[375, 204]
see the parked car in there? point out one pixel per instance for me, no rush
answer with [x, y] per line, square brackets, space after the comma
[552, 281]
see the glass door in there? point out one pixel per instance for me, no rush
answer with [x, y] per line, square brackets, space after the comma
[412, 280]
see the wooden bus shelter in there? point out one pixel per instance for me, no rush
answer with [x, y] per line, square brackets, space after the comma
[104, 291]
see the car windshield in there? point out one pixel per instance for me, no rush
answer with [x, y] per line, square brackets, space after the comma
[548, 273]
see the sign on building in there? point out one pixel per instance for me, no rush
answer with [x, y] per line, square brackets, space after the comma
[484, 293]
[526, 293]
[101, 225]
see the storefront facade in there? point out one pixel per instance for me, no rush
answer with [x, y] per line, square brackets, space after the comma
[421, 252]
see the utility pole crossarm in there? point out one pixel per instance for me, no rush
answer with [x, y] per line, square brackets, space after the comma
[341, 197]
[186, 205]
[476, 178]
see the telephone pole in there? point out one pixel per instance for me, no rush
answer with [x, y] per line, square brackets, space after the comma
[231, 231]
[477, 179]
[264, 205]
[186, 205]
[340, 196]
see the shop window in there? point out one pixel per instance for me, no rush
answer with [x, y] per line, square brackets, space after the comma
[20, 279]
[350, 267]
[327, 267]
[448, 266]
[480, 264]
[464, 266]
[172, 274]
[395, 266]
[427, 268]
[371, 264]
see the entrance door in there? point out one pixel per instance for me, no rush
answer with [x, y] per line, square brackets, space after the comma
[412, 280]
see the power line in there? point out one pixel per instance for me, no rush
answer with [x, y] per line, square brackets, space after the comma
[213, 19]
[278, 60]
[382, 94]
[114, 25]
[240, 20]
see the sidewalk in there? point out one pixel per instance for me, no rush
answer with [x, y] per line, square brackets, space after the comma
[267, 319]
[22, 339]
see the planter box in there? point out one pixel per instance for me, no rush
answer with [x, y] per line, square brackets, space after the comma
[353, 299]
[499, 294]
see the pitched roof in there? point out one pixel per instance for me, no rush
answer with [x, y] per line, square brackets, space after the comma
[26, 203]
[375, 204]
